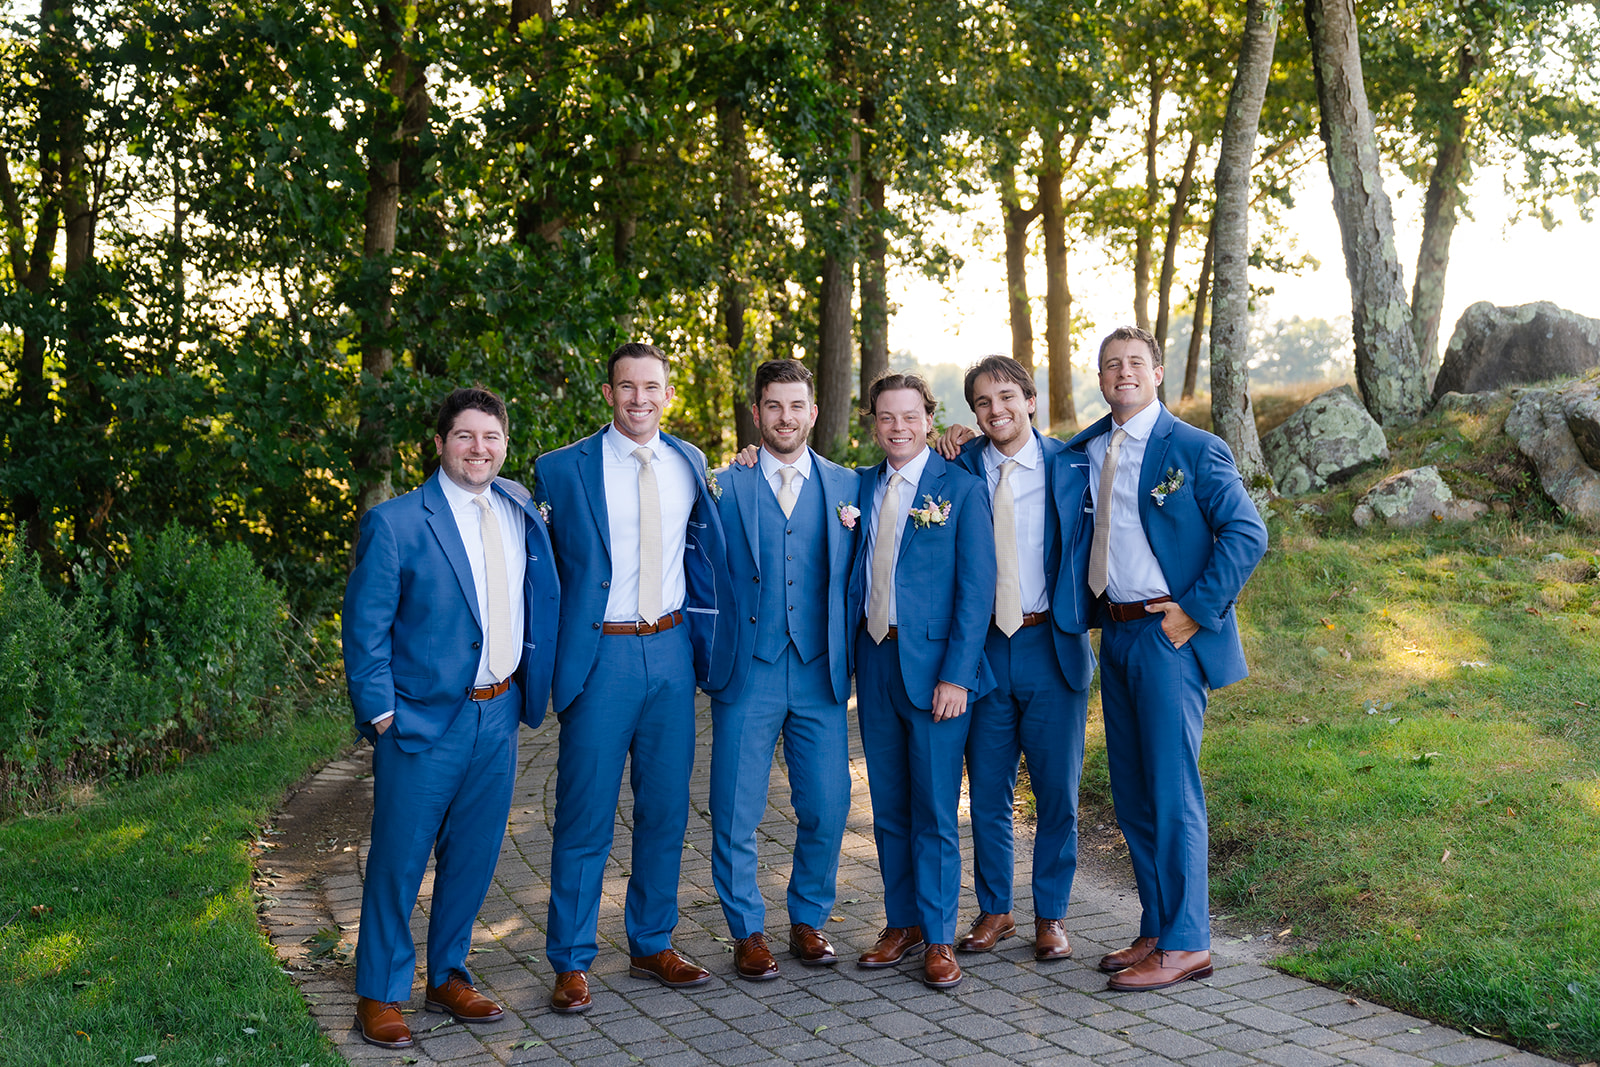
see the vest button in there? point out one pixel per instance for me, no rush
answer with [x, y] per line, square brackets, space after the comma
[605, 585]
[477, 644]
[752, 618]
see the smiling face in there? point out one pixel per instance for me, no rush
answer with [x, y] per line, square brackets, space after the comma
[638, 393]
[785, 416]
[900, 424]
[1003, 412]
[1128, 378]
[472, 453]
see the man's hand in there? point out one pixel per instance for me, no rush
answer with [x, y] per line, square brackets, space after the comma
[949, 443]
[949, 700]
[747, 456]
[383, 724]
[1177, 624]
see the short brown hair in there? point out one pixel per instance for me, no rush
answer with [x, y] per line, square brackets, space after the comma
[1133, 333]
[897, 380]
[1001, 369]
[470, 399]
[637, 350]
[774, 371]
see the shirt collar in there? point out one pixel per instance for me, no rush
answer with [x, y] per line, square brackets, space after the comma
[1140, 426]
[771, 464]
[911, 472]
[622, 446]
[1027, 456]
[458, 498]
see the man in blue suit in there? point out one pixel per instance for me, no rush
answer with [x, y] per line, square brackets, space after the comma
[640, 551]
[790, 522]
[1042, 664]
[1175, 538]
[921, 594]
[449, 641]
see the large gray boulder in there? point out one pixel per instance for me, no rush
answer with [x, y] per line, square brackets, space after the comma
[1414, 498]
[1559, 430]
[1324, 442]
[1500, 346]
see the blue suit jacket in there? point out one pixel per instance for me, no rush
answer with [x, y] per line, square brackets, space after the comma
[411, 629]
[571, 480]
[1206, 535]
[1069, 628]
[739, 508]
[943, 583]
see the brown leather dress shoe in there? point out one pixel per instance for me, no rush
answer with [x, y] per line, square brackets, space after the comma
[894, 945]
[670, 969]
[1161, 969]
[571, 994]
[810, 947]
[753, 959]
[1050, 940]
[382, 1024]
[458, 998]
[1123, 958]
[939, 968]
[987, 932]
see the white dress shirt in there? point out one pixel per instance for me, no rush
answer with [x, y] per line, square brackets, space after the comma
[1028, 495]
[912, 472]
[1132, 571]
[513, 541]
[675, 483]
[771, 466]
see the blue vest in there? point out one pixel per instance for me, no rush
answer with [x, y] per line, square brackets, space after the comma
[793, 550]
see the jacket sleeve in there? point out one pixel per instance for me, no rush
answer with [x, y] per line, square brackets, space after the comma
[975, 580]
[1239, 537]
[371, 601]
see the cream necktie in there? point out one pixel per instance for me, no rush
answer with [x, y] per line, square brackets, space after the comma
[1099, 549]
[497, 621]
[649, 538]
[1008, 583]
[883, 561]
[786, 494]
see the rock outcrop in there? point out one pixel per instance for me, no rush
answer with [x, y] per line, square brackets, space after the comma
[1493, 347]
[1326, 441]
[1559, 430]
[1414, 498]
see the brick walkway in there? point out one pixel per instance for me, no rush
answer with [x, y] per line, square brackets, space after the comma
[1008, 1010]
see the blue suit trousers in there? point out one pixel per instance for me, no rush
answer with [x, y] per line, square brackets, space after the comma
[451, 799]
[637, 707]
[1154, 698]
[1033, 711]
[793, 699]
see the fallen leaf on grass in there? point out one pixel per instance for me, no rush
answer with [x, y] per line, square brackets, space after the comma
[1475, 663]
[1579, 704]
[144, 1059]
[1364, 770]
[1301, 719]
[1552, 1026]
[1284, 933]
[1444, 857]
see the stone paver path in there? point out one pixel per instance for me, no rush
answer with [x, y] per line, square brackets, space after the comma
[1009, 1009]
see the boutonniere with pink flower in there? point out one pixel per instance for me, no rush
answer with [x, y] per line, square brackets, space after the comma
[1169, 485]
[716, 489]
[848, 514]
[544, 509]
[933, 513]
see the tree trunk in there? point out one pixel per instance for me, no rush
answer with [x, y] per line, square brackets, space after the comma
[1144, 234]
[538, 217]
[875, 263]
[1452, 168]
[1202, 300]
[1057, 295]
[1393, 379]
[1017, 221]
[1232, 415]
[733, 298]
[1169, 253]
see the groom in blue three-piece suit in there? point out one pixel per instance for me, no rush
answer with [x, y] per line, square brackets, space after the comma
[646, 615]
[921, 592]
[790, 547]
[1175, 538]
[449, 641]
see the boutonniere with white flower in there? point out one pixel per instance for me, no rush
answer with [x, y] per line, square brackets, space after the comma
[716, 489]
[848, 514]
[1169, 485]
[544, 510]
[933, 513]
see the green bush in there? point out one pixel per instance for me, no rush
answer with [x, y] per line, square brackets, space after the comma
[179, 651]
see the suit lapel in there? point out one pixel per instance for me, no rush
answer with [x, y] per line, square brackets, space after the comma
[1155, 459]
[931, 484]
[746, 482]
[835, 489]
[442, 521]
[592, 462]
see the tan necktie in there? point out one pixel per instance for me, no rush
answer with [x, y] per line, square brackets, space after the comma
[883, 561]
[1008, 583]
[649, 538]
[1099, 549]
[786, 494]
[497, 621]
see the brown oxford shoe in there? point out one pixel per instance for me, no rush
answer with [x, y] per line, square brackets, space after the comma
[1161, 969]
[1050, 940]
[939, 968]
[381, 1024]
[458, 998]
[753, 959]
[987, 932]
[810, 947]
[571, 994]
[1124, 958]
[894, 945]
[670, 969]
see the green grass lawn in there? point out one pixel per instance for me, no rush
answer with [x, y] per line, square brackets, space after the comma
[129, 925]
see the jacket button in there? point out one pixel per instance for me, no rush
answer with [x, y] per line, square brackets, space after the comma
[757, 578]
[596, 625]
[477, 644]
[605, 585]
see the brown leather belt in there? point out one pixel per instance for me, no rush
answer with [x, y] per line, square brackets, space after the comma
[641, 629]
[489, 692]
[1034, 618]
[892, 635]
[1132, 611]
